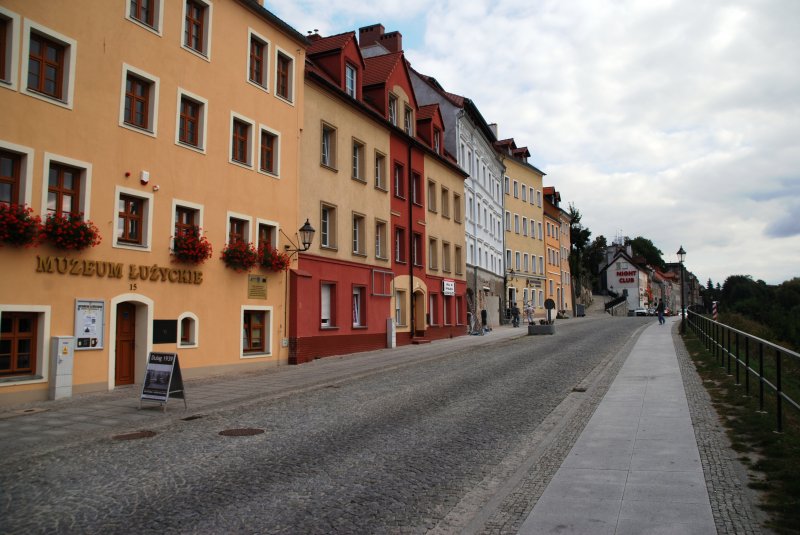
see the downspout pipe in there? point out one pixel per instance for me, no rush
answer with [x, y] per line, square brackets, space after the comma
[411, 250]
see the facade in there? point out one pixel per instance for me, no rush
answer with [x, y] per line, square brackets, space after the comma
[470, 140]
[386, 200]
[523, 225]
[123, 122]
[625, 275]
[553, 232]
[567, 298]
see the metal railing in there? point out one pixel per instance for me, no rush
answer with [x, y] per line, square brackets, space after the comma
[740, 350]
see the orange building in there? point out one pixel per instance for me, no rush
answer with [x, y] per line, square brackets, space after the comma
[153, 120]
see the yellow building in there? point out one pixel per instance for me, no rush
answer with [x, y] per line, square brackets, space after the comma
[150, 119]
[566, 302]
[553, 252]
[524, 231]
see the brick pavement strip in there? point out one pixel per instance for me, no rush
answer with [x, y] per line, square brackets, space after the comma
[733, 503]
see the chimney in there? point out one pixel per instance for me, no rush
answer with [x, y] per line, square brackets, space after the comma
[493, 128]
[369, 35]
[392, 41]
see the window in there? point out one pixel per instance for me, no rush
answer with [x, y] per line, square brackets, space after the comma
[327, 299]
[399, 190]
[446, 300]
[539, 199]
[351, 80]
[508, 258]
[399, 245]
[140, 100]
[516, 189]
[328, 226]
[186, 219]
[358, 161]
[445, 202]
[431, 196]
[516, 223]
[130, 219]
[255, 331]
[459, 261]
[417, 251]
[530, 195]
[393, 109]
[18, 343]
[197, 27]
[269, 150]
[517, 260]
[238, 231]
[505, 187]
[49, 72]
[380, 239]
[541, 265]
[400, 306]
[525, 263]
[284, 76]
[9, 49]
[328, 154]
[433, 312]
[445, 257]
[433, 255]
[10, 180]
[380, 171]
[267, 234]
[241, 140]
[359, 306]
[437, 141]
[63, 190]
[541, 234]
[257, 68]
[359, 235]
[408, 126]
[416, 189]
[508, 221]
[134, 214]
[457, 207]
[524, 225]
[147, 12]
[188, 330]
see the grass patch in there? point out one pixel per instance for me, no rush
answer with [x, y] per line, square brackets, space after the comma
[774, 457]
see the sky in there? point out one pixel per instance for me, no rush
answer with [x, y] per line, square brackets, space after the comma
[675, 120]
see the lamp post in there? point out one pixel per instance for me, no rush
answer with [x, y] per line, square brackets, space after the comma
[682, 257]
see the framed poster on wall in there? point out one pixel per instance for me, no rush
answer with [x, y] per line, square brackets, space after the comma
[90, 324]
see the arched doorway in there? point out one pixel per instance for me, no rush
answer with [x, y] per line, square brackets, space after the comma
[419, 312]
[125, 346]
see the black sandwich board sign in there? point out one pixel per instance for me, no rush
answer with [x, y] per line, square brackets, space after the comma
[162, 379]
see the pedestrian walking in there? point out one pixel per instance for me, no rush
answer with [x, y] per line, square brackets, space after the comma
[660, 310]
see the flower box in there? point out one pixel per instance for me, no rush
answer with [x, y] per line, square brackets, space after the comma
[71, 232]
[239, 256]
[18, 226]
[191, 247]
[272, 259]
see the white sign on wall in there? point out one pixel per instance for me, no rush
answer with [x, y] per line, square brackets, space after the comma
[448, 287]
[89, 324]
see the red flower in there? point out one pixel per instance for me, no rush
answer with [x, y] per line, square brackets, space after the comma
[239, 256]
[272, 259]
[71, 232]
[18, 226]
[191, 247]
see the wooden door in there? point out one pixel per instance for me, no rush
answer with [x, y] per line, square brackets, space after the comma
[126, 344]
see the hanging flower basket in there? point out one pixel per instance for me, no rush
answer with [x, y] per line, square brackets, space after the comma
[272, 259]
[71, 232]
[239, 256]
[191, 247]
[18, 226]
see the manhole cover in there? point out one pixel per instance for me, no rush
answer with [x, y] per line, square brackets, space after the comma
[244, 432]
[579, 389]
[193, 417]
[135, 435]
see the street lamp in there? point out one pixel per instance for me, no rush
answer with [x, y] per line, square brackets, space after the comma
[306, 236]
[682, 257]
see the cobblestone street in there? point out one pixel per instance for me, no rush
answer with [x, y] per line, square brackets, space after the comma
[393, 452]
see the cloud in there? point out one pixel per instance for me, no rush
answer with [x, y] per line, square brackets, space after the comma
[676, 120]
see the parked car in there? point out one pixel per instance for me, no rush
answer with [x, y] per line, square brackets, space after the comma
[640, 312]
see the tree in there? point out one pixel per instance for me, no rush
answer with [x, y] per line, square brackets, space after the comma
[579, 240]
[595, 258]
[646, 248]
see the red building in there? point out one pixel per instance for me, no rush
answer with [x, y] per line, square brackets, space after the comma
[363, 186]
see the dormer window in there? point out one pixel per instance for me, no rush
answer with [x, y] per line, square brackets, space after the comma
[351, 78]
[437, 141]
[407, 120]
[393, 109]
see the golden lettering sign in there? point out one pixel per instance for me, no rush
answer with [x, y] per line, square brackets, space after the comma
[114, 270]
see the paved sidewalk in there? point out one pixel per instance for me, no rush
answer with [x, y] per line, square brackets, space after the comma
[51, 424]
[635, 467]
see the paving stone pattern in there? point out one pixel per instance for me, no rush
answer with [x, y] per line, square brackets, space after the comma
[391, 452]
[733, 503]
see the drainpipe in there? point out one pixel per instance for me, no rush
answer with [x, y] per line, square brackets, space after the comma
[412, 299]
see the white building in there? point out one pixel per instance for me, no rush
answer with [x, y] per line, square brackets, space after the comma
[469, 140]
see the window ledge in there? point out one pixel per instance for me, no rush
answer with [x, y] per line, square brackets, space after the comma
[382, 188]
[131, 246]
[243, 165]
[356, 179]
[196, 53]
[328, 167]
[47, 98]
[255, 355]
[284, 99]
[360, 255]
[189, 146]
[139, 129]
[330, 328]
[188, 346]
[18, 379]
[360, 327]
[329, 247]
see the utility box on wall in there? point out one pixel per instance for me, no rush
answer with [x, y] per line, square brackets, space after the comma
[391, 333]
[62, 356]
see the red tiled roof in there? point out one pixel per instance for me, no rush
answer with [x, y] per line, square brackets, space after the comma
[427, 111]
[522, 151]
[332, 42]
[379, 68]
[312, 68]
[458, 100]
[549, 190]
